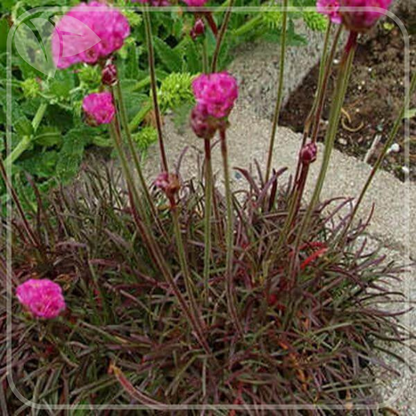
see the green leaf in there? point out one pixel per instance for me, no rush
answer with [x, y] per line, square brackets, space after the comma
[193, 57]
[23, 126]
[71, 154]
[48, 136]
[41, 164]
[170, 58]
[61, 85]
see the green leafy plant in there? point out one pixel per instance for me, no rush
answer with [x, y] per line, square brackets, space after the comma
[56, 99]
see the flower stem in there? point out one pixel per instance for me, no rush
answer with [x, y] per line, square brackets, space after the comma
[340, 90]
[153, 84]
[211, 23]
[229, 235]
[335, 113]
[317, 106]
[382, 156]
[125, 124]
[184, 264]
[279, 90]
[314, 118]
[208, 203]
[151, 244]
[221, 35]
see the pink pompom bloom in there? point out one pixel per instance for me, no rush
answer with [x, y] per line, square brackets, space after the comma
[42, 297]
[330, 8]
[195, 3]
[88, 33]
[361, 20]
[99, 107]
[217, 92]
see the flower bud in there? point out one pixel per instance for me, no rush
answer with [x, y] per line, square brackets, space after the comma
[169, 184]
[308, 153]
[109, 75]
[198, 29]
[202, 124]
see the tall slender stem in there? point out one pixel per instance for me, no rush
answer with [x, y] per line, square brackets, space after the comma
[156, 109]
[125, 124]
[335, 113]
[382, 155]
[184, 263]
[208, 202]
[317, 106]
[321, 98]
[149, 241]
[301, 170]
[221, 35]
[229, 235]
[279, 90]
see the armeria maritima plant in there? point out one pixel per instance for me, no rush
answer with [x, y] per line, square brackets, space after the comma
[175, 296]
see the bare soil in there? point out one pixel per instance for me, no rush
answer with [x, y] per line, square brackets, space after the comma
[374, 99]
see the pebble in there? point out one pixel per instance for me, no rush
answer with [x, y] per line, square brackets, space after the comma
[394, 148]
[405, 170]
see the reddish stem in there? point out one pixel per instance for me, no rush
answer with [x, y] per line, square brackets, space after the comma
[211, 22]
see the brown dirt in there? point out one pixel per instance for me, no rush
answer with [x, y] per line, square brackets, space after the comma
[374, 98]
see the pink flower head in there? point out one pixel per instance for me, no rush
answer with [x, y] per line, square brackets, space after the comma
[99, 107]
[42, 297]
[195, 3]
[202, 124]
[330, 8]
[217, 91]
[361, 20]
[87, 33]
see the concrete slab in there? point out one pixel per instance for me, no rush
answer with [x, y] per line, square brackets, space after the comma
[248, 139]
[391, 228]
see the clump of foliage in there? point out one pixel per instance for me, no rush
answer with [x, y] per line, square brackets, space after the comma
[307, 339]
[180, 295]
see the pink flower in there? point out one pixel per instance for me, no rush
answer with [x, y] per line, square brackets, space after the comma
[202, 124]
[330, 8]
[88, 33]
[195, 3]
[42, 297]
[99, 107]
[361, 20]
[217, 92]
